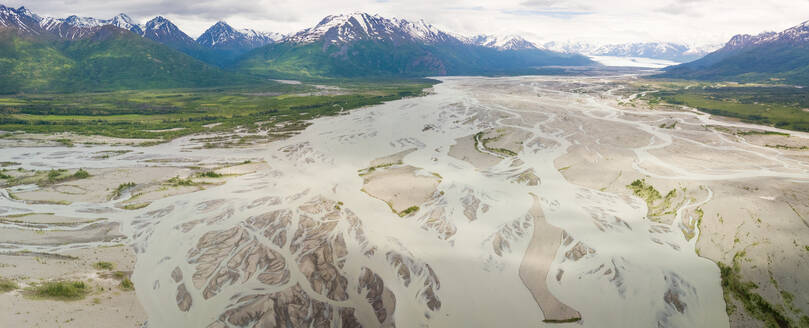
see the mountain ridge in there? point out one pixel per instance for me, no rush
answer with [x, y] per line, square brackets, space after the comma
[768, 56]
[670, 51]
[360, 44]
[357, 45]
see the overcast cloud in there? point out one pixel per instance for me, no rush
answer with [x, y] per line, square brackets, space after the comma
[696, 22]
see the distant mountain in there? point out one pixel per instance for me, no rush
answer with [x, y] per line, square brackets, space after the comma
[359, 45]
[509, 42]
[782, 56]
[655, 50]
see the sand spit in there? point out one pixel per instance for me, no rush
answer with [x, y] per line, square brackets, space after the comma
[535, 267]
[401, 187]
[465, 149]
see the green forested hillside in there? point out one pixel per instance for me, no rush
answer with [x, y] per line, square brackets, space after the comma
[111, 59]
[375, 58]
[778, 63]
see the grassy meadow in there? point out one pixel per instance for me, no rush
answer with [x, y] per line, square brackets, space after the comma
[167, 114]
[785, 107]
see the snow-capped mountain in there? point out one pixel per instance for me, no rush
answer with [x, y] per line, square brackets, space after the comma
[798, 35]
[508, 42]
[360, 44]
[783, 56]
[396, 47]
[569, 47]
[338, 29]
[75, 27]
[20, 18]
[164, 31]
[125, 22]
[654, 50]
[70, 28]
[222, 35]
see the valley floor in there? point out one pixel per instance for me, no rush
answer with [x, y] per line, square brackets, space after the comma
[521, 202]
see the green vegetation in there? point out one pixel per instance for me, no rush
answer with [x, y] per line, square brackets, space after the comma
[104, 266]
[65, 142]
[479, 140]
[7, 285]
[41, 177]
[408, 211]
[371, 169]
[170, 113]
[734, 288]
[782, 107]
[177, 182]
[657, 204]
[61, 290]
[81, 174]
[121, 188]
[210, 174]
[127, 284]
[776, 62]
[135, 206]
[54, 175]
[692, 228]
[562, 321]
[671, 125]
[111, 59]
[644, 191]
[400, 58]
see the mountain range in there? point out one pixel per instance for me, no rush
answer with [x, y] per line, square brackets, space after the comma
[44, 54]
[675, 52]
[769, 56]
[84, 53]
[360, 44]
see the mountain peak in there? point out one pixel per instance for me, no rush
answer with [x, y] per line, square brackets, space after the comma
[162, 30]
[222, 35]
[25, 11]
[123, 17]
[125, 22]
[345, 28]
[158, 20]
[20, 18]
[221, 23]
[505, 42]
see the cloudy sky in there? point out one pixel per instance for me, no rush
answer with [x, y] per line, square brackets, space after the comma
[697, 22]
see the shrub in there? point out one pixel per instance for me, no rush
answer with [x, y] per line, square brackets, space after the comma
[127, 284]
[68, 290]
[210, 174]
[104, 265]
[81, 174]
[409, 210]
[7, 285]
